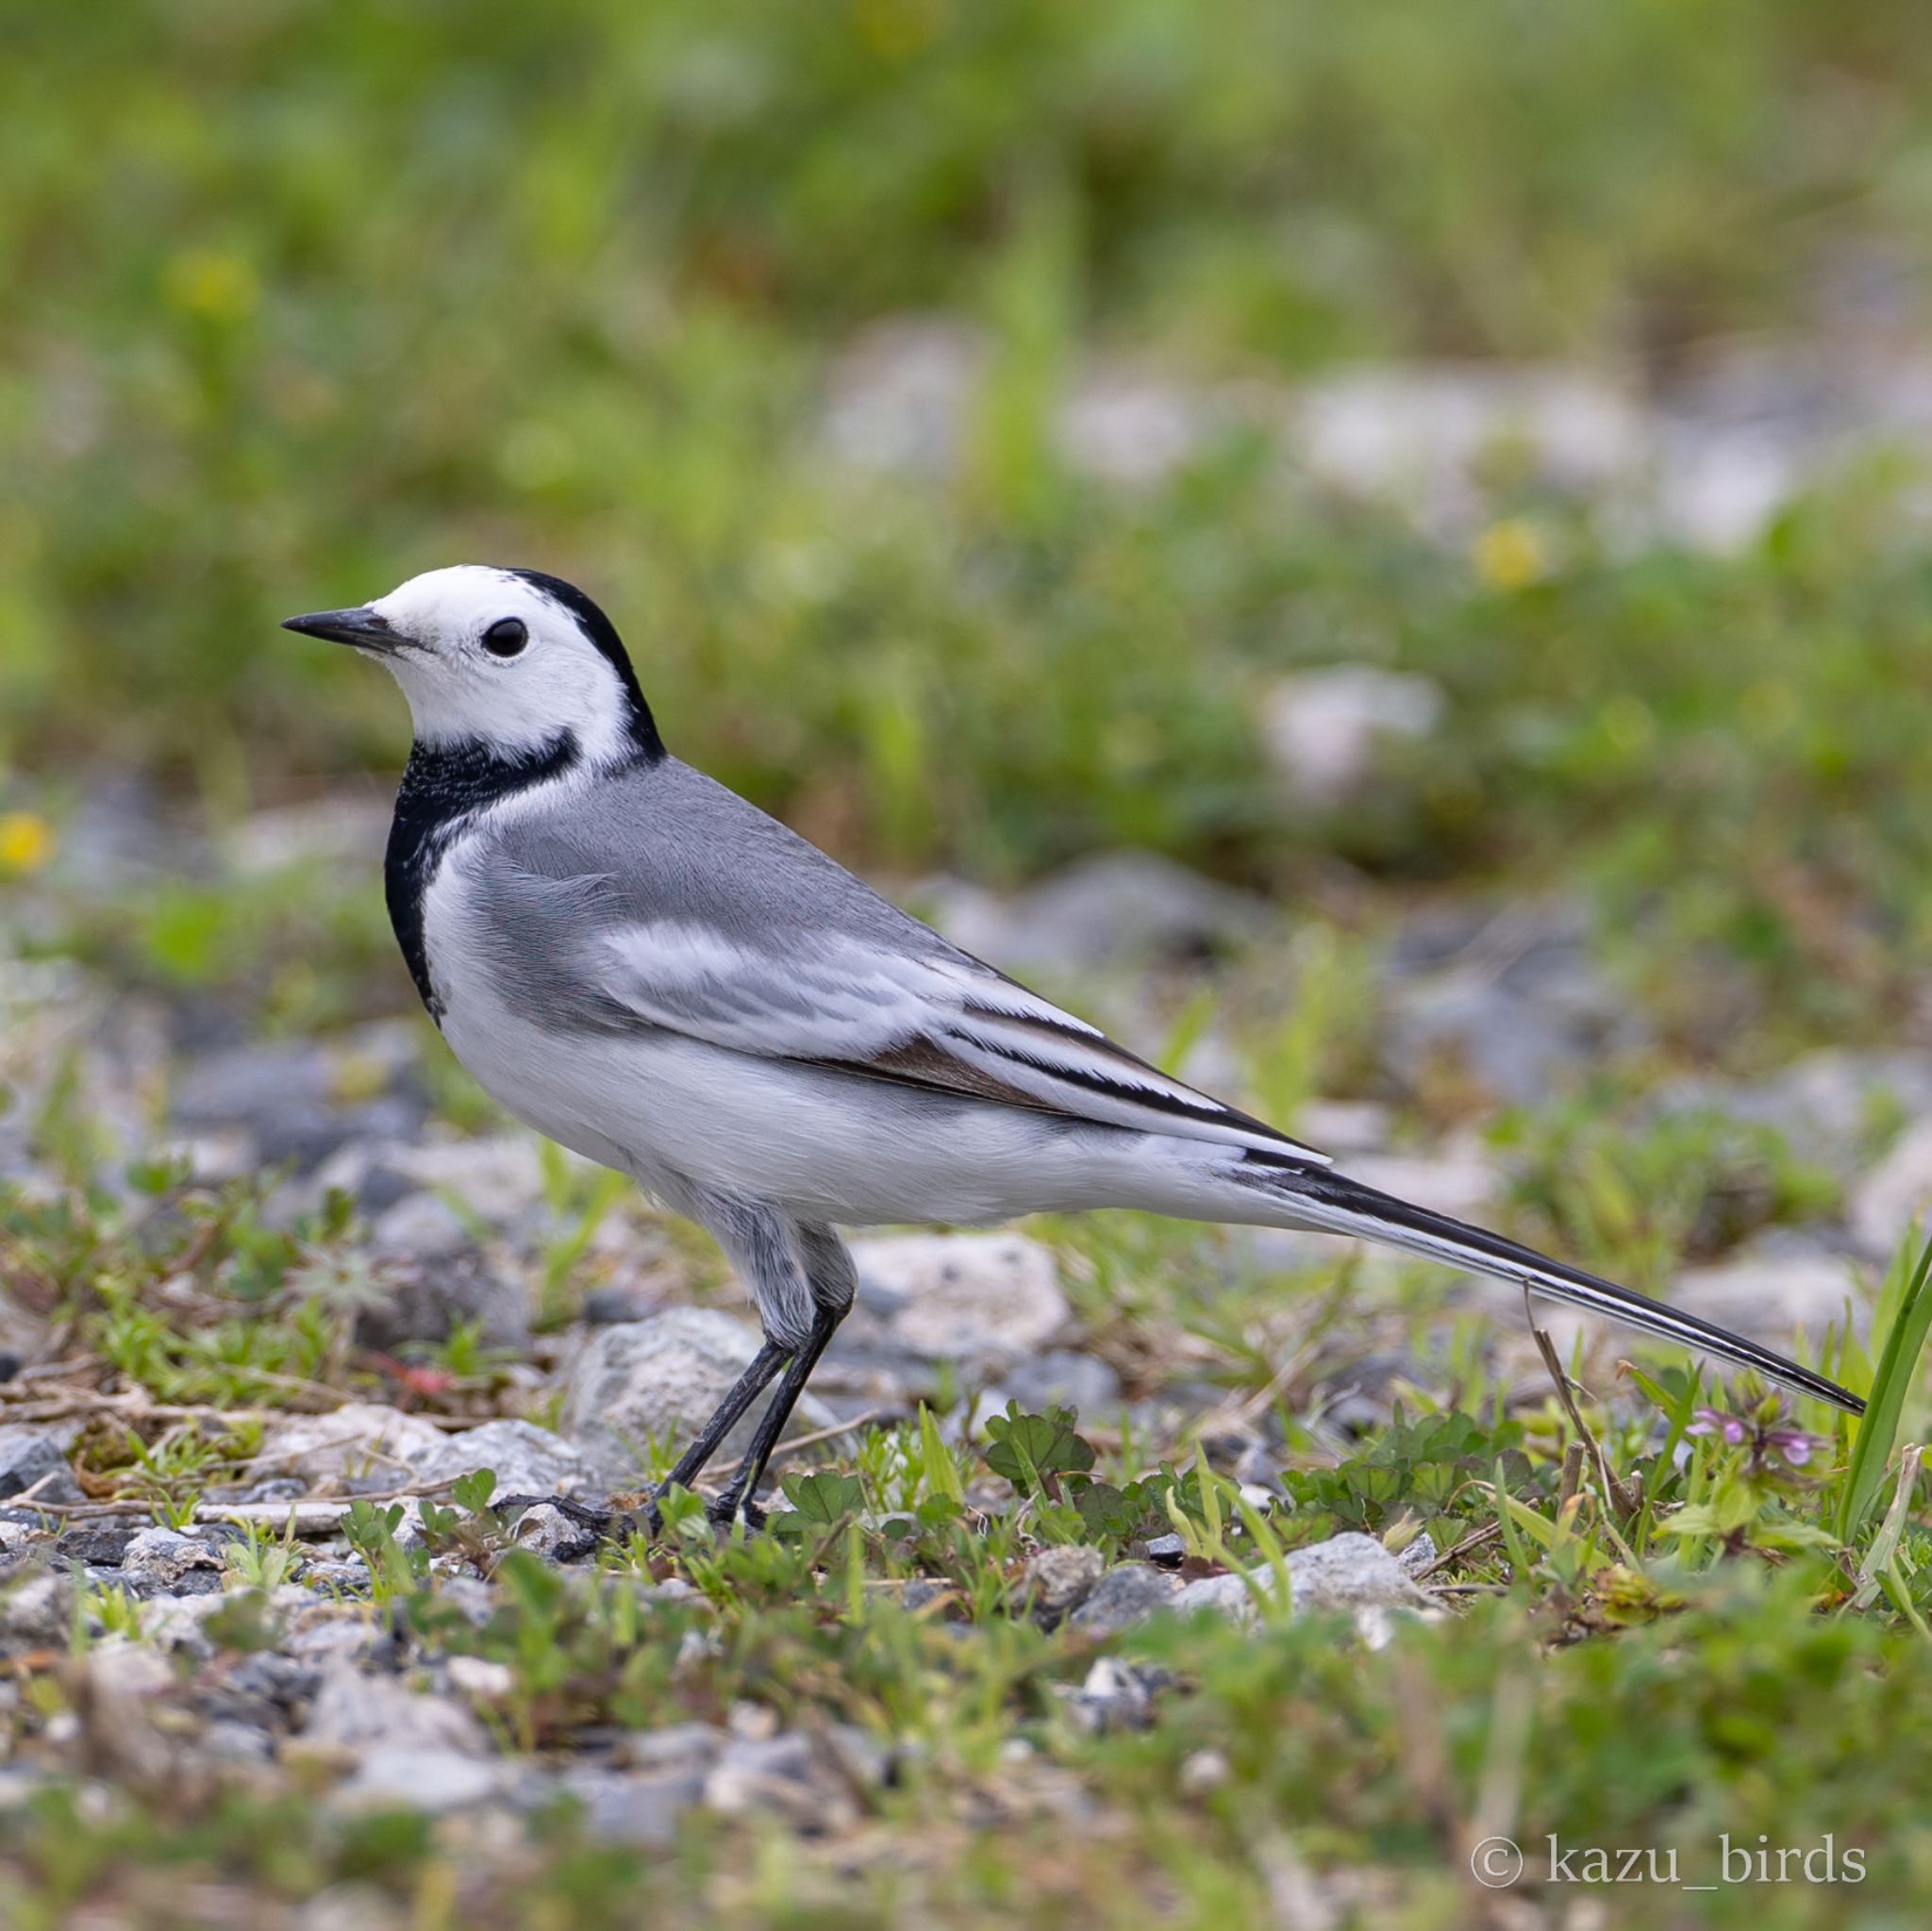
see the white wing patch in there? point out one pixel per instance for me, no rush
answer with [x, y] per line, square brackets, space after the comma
[938, 1019]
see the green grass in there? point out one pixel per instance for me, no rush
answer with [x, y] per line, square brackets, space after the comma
[300, 303]
[1679, 1615]
[300, 300]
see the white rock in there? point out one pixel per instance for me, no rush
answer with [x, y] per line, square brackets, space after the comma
[1885, 1205]
[783, 1776]
[481, 1679]
[349, 1906]
[1325, 730]
[33, 1457]
[1342, 1126]
[1349, 1573]
[633, 1809]
[420, 1227]
[358, 1711]
[1121, 907]
[175, 1623]
[660, 1379]
[1061, 1577]
[983, 1297]
[356, 1440]
[1226, 1595]
[1770, 1296]
[1420, 433]
[901, 394]
[546, 1531]
[527, 1460]
[415, 1777]
[1719, 484]
[1132, 427]
[163, 1556]
[1462, 1182]
[1417, 1555]
[36, 1611]
[120, 1669]
[340, 827]
[1825, 1103]
[500, 1177]
[1204, 1772]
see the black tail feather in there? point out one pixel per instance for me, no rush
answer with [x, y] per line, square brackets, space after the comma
[1339, 1205]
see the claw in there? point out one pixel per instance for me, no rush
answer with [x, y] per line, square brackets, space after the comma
[616, 1525]
[601, 1524]
[723, 1511]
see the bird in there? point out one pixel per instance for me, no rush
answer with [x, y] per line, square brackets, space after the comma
[642, 965]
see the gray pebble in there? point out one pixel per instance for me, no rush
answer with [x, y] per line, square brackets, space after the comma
[419, 1776]
[1059, 1580]
[525, 1460]
[228, 1741]
[433, 1289]
[1116, 1696]
[550, 1533]
[99, 1544]
[634, 1807]
[1066, 1379]
[675, 1747]
[32, 1457]
[781, 1775]
[158, 1558]
[36, 1611]
[607, 1307]
[660, 1378]
[360, 1712]
[1126, 1594]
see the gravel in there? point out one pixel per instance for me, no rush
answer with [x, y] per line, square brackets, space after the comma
[1059, 1579]
[1126, 1594]
[34, 1457]
[527, 1460]
[983, 1298]
[660, 1379]
[360, 1447]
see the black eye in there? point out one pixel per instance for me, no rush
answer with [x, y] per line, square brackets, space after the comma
[505, 636]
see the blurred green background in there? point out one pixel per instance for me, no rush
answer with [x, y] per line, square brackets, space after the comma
[297, 299]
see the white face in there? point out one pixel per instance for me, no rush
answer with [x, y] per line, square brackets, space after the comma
[480, 654]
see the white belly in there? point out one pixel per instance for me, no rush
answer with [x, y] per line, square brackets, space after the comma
[826, 1146]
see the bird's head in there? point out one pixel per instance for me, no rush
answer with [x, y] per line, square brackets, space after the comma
[508, 658]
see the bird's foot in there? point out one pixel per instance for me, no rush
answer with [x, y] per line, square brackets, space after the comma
[595, 1524]
[723, 1511]
[599, 1526]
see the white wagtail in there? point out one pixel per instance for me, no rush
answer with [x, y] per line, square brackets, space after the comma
[641, 964]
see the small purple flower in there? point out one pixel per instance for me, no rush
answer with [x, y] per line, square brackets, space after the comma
[1792, 1446]
[1734, 1428]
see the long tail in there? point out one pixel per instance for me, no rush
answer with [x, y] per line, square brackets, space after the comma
[1335, 1204]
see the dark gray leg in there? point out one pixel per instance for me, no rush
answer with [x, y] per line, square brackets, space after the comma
[745, 1390]
[602, 1523]
[803, 1281]
[834, 1281]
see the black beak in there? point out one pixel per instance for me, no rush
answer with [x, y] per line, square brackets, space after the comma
[360, 626]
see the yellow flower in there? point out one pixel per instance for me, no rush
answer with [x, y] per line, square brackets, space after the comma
[1511, 554]
[216, 286]
[27, 841]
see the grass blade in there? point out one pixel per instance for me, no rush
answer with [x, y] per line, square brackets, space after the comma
[1897, 1366]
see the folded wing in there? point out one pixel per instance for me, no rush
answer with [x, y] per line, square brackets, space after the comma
[939, 1020]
